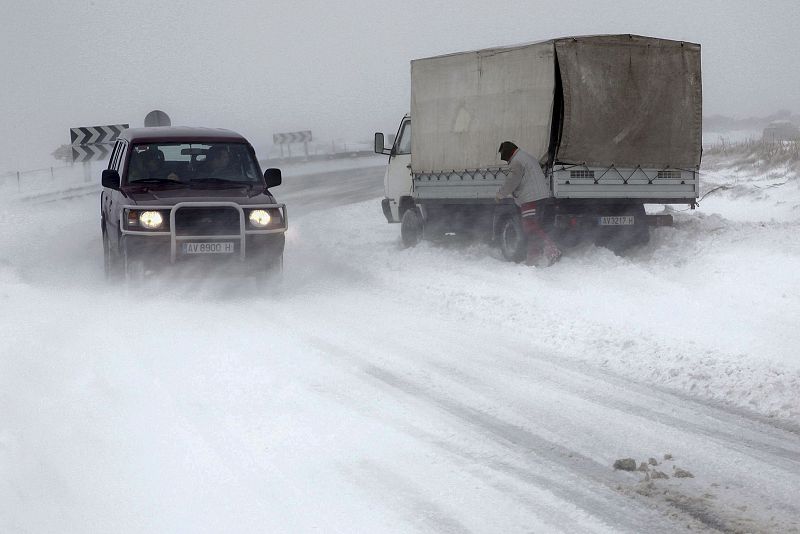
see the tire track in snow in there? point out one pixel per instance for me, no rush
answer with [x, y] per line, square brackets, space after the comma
[503, 430]
[526, 447]
[521, 442]
[764, 444]
[764, 441]
[403, 492]
[485, 467]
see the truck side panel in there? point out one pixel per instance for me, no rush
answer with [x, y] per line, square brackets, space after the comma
[644, 184]
[463, 105]
[613, 116]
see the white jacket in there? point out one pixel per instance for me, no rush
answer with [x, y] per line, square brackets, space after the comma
[526, 182]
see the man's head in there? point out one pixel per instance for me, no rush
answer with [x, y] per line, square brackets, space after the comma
[152, 158]
[507, 149]
[218, 157]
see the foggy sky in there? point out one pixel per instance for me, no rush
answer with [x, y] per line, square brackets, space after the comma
[339, 69]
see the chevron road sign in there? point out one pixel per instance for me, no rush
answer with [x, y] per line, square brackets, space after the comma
[92, 135]
[84, 153]
[293, 137]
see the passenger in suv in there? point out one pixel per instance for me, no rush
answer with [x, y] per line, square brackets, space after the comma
[221, 209]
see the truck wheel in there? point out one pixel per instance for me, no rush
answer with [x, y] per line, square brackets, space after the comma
[513, 243]
[411, 228]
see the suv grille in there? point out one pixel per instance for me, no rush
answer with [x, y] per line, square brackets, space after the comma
[207, 221]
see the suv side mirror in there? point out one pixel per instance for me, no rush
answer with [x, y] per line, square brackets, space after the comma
[110, 179]
[380, 147]
[272, 177]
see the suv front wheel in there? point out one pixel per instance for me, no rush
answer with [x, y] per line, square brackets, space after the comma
[111, 263]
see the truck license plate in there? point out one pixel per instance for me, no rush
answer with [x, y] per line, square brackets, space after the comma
[624, 220]
[220, 247]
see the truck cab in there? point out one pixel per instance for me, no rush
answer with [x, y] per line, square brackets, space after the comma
[397, 180]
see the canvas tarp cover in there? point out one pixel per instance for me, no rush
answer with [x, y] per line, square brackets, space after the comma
[630, 101]
[464, 105]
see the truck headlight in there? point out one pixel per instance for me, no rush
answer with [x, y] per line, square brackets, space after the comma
[259, 218]
[152, 220]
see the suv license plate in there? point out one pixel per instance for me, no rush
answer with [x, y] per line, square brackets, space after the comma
[624, 220]
[219, 247]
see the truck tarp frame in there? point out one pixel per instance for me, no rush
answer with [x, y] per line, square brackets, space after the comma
[630, 101]
[619, 100]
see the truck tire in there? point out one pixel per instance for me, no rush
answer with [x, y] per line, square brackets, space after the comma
[513, 243]
[411, 228]
[405, 203]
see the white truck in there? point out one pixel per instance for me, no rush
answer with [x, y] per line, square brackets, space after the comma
[615, 120]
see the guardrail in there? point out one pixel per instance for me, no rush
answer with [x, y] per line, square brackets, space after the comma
[47, 181]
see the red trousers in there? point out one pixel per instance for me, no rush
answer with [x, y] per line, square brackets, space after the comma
[531, 218]
[539, 242]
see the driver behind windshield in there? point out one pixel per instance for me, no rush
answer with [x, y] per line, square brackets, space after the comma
[149, 164]
[218, 165]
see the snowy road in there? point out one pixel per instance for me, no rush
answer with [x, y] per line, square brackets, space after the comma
[436, 389]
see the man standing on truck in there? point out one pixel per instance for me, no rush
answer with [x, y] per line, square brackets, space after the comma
[528, 186]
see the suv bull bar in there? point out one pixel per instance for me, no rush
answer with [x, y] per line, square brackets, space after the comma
[174, 238]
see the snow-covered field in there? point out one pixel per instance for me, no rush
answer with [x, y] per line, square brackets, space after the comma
[388, 390]
[729, 137]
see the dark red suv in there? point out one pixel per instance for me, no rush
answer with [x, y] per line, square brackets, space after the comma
[182, 195]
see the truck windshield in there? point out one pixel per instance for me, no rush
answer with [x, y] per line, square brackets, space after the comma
[403, 145]
[187, 163]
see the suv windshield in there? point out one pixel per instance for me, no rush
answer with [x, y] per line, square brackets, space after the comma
[192, 163]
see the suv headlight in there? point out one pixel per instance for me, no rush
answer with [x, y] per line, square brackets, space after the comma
[148, 220]
[259, 218]
[151, 220]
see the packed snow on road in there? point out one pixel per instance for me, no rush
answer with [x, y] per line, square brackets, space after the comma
[431, 389]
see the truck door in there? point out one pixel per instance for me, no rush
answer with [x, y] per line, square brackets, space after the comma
[397, 181]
